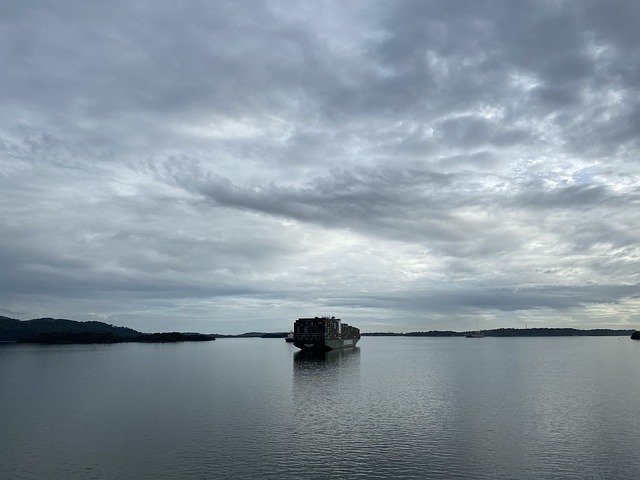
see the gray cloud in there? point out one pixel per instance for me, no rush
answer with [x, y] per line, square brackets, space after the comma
[230, 166]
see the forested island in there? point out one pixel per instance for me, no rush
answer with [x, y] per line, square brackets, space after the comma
[55, 331]
[515, 332]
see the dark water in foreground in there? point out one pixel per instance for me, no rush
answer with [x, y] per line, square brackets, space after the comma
[492, 408]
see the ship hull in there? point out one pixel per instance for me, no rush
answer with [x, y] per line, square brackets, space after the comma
[325, 345]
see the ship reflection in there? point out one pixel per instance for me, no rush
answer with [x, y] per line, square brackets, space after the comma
[325, 393]
[329, 357]
[320, 375]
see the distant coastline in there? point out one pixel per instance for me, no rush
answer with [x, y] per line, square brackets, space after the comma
[62, 331]
[515, 332]
[499, 332]
[58, 331]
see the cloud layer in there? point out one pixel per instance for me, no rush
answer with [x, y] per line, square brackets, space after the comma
[230, 166]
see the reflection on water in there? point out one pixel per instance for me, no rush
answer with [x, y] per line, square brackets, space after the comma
[331, 356]
[326, 409]
[316, 373]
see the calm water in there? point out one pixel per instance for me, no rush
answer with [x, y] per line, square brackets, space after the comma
[519, 408]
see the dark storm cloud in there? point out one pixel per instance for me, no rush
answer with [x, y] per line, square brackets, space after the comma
[252, 160]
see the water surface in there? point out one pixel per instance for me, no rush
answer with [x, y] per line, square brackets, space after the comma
[494, 408]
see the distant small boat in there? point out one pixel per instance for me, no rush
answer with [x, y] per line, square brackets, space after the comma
[474, 335]
[289, 338]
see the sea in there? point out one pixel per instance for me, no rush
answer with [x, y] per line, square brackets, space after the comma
[393, 407]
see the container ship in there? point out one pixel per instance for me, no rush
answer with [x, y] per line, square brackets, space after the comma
[324, 333]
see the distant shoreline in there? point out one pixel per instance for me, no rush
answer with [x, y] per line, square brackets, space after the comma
[58, 331]
[498, 332]
[515, 332]
[62, 331]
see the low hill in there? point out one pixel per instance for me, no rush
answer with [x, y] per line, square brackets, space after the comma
[13, 330]
[516, 332]
[63, 331]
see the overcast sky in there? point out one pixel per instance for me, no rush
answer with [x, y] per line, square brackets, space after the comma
[229, 166]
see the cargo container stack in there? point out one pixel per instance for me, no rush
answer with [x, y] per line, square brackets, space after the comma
[324, 333]
[350, 332]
